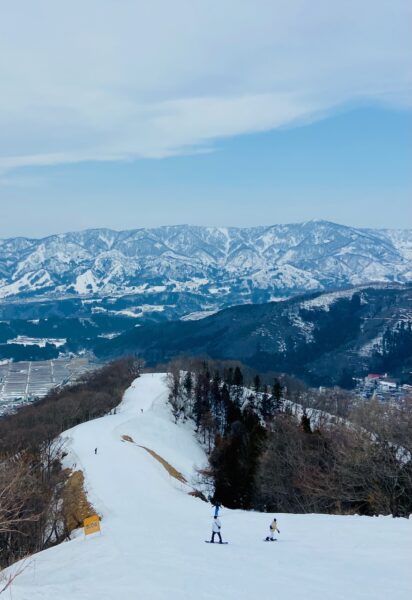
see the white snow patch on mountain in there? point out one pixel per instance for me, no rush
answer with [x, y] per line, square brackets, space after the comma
[401, 239]
[306, 327]
[369, 347]
[191, 285]
[23, 340]
[98, 309]
[110, 336]
[200, 314]
[86, 283]
[29, 282]
[325, 301]
[138, 311]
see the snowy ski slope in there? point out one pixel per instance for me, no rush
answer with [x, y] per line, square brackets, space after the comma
[152, 542]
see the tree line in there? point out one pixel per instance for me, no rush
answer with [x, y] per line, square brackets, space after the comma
[268, 453]
[37, 507]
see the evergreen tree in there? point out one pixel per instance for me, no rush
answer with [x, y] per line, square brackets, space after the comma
[188, 388]
[277, 393]
[207, 428]
[266, 404]
[198, 403]
[238, 377]
[216, 399]
[188, 384]
[256, 384]
[231, 410]
[234, 461]
[251, 402]
[305, 424]
[238, 384]
[228, 376]
[206, 385]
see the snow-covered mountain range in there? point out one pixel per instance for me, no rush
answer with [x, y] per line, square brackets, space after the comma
[225, 265]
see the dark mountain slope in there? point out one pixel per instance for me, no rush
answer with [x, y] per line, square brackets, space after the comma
[319, 337]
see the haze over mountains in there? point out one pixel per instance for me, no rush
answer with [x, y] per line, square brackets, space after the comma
[223, 266]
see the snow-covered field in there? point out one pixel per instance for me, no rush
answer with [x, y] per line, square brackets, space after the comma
[152, 542]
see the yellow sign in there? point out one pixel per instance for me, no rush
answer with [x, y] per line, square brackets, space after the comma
[91, 525]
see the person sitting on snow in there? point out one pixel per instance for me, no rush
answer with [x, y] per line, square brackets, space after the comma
[216, 527]
[273, 527]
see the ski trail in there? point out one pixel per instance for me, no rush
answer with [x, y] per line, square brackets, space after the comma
[152, 547]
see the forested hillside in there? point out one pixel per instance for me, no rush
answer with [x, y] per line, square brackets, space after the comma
[269, 453]
[322, 338]
[41, 503]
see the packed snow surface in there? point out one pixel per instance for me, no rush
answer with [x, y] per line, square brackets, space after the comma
[152, 541]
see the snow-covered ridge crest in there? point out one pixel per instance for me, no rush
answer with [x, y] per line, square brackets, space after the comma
[324, 301]
[232, 262]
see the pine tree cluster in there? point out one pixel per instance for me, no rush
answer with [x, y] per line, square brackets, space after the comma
[230, 423]
[262, 455]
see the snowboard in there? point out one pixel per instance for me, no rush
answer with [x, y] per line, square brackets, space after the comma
[275, 540]
[217, 543]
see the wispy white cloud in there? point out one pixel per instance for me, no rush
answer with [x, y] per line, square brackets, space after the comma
[109, 80]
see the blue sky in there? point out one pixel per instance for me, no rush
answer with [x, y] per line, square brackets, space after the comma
[353, 168]
[211, 113]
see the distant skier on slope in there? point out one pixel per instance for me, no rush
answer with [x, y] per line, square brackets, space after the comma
[273, 528]
[216, 527]
[217, 508]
